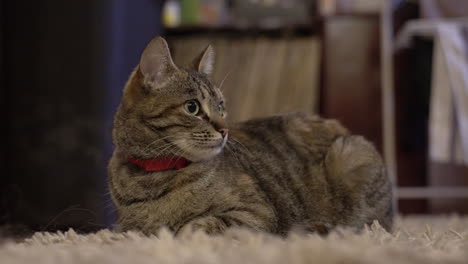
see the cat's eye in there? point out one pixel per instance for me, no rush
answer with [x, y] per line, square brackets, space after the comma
[192, 107]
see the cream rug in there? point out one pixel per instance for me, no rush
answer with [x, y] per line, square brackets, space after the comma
[415, 240]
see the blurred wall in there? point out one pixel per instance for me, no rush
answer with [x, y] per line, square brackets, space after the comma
[265, 73]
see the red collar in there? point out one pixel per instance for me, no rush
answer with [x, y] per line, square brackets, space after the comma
[161, 164]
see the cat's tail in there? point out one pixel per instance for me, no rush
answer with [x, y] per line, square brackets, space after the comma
[356, 170]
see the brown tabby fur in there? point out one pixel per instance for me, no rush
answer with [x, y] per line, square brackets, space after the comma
[273, 174]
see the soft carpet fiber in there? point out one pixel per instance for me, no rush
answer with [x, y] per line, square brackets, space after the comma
[414, 240]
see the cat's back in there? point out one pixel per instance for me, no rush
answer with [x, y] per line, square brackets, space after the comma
[284, 153]
[315, 171]
[296, 131]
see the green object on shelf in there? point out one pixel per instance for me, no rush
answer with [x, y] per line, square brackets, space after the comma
[189, 12]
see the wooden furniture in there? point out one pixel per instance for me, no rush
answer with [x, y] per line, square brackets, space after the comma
[262, 72]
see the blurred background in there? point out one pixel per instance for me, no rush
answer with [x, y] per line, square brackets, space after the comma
[394, 71]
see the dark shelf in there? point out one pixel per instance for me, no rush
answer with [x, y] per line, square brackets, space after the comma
[312, 28]
[304, 29]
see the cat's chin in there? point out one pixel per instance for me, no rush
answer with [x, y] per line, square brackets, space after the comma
[203, 154]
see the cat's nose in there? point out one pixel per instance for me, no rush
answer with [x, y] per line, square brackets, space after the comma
[223, 131]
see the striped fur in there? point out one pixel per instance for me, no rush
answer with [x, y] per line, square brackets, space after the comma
[273, 174]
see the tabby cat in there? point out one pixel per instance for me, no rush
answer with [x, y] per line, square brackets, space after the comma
[178, 165]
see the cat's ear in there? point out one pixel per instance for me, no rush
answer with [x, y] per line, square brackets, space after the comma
[156, 63]
[204, 63]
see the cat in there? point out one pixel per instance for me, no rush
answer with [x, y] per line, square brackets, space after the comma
[178, 165]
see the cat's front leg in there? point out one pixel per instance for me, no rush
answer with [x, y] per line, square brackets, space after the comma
[260, 218]
[211, 225]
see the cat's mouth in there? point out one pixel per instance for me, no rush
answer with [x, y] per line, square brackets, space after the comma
[201, 152]
[217, 144]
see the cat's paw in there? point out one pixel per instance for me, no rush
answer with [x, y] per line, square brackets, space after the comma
[208, 224]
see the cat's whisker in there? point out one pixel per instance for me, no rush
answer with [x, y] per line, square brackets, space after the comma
[72, 209]
[164, 148]
[157, 140]
[176, 155]
[160, 149]
[233, 149]
[237, 145]
[181, 136]
[222, 82]
[167, 148]
[235, 156]
[190, 144]
[242, 145]
[182, 151]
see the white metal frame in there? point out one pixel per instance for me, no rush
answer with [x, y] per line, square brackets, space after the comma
[388, 117]
[388, 108]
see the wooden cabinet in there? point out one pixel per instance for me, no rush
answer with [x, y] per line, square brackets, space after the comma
[351, 89]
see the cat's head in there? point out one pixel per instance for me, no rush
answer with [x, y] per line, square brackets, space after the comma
[170, 111]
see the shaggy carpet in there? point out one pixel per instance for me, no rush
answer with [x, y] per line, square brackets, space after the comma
[414, 240]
